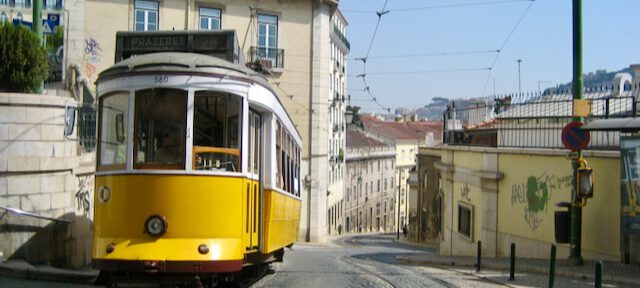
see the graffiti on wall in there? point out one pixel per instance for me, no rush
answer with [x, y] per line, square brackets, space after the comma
[92, 52]
[83, 195]
[534, 195]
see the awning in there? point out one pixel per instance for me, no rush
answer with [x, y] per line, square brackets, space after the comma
[618, 124]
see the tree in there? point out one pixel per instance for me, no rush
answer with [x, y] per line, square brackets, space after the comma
[23, 61]
[55, 41]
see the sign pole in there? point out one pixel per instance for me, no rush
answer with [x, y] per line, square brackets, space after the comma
[575, 258]
[37, 29]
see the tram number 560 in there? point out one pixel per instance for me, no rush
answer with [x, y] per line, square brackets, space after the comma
[161, 79]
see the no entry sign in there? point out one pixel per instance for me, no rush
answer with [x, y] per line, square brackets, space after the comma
[573, 138]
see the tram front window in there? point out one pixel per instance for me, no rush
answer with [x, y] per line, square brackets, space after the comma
[160, 120]
[114, 113]
[217, 127]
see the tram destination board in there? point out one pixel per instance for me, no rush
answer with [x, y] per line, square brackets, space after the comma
[221, 44]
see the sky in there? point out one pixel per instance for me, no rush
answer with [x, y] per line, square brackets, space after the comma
[444, 48]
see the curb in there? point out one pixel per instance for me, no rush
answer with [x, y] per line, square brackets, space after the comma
[21, 269]
[521, 268]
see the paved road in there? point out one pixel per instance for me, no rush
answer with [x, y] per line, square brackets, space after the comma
[370, 261]
[365, 261]
[361, 261]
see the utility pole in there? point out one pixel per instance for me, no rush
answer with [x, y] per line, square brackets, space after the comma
[37, 29]
[578, 82]
[519, 79]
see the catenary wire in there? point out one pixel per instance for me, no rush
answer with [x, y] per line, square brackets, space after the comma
[486, 82]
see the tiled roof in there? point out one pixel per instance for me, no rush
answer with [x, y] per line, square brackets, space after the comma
[402, 130]
[357, 138]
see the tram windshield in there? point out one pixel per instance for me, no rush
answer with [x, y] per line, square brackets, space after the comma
[159, 130]
[114, 113]
[217, 128]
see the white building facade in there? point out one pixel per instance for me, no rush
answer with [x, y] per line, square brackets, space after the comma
[337, 124]
[369, 198]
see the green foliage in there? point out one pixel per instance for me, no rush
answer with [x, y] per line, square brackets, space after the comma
[23, 62]
[55, 41]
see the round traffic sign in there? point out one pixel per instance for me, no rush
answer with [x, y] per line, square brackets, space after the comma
[573, 138]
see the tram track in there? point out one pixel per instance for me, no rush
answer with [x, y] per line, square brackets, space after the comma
[417, 272]
[351, 261]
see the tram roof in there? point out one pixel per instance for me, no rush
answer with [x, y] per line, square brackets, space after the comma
[189, 63]
[183, 62]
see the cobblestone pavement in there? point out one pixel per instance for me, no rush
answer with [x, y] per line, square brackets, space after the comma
[368, 261]
[379, 261]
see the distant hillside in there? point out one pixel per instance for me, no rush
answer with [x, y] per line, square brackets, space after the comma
[597, 79]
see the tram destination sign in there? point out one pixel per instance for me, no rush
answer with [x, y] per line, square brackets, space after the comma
[221, 44]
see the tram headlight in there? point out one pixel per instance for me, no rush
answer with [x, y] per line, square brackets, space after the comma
[156, 225]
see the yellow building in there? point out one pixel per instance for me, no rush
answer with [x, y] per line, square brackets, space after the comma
[503, 196]
[501, 179]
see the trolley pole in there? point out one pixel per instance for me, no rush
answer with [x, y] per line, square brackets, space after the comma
[578, 83]
[37, 30]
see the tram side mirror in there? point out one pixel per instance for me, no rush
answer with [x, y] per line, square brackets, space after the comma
[69, 120]
[120, 128]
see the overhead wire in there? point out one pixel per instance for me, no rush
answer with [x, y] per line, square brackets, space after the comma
[486, 82]
[364, 59]
[410, 9]
[428, 54]
[425, 71]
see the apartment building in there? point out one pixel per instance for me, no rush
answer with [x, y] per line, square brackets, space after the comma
[369, 185]
[297, 44]
[405, 137]
[337, 107]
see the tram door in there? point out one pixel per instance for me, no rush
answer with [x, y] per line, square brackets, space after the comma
[254, 187]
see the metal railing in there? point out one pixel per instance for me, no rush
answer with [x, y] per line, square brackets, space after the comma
[534, 120]
[29, 214]
[267, 57]
[87, 124]
[341, 36]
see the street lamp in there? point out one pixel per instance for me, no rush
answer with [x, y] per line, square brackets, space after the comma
[519, 80]
[348, 115]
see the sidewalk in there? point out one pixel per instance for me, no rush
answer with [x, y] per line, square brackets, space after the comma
[22, 269]
[612, 271]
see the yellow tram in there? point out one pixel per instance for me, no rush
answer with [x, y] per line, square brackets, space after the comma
[198, 169]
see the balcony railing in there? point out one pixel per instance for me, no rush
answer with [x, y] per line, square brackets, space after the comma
[267, 58]
[341, 37]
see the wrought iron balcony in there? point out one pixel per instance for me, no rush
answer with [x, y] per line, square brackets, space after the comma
[341, 36]
[266, 58]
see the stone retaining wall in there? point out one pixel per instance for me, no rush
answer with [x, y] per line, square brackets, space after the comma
[43, 172]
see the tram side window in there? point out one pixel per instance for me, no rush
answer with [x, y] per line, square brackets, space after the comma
[114, 113]
[160, 120]
[217, 127]
[279, 179]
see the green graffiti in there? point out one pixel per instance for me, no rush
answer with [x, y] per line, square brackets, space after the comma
[537, 194]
